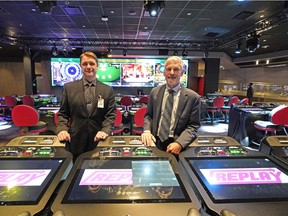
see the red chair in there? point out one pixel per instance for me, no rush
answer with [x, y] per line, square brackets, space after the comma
[10, 103]
[126, 102]
[143, 100]
[118, 125]
[278, 118]
[27, 119]
[218, 103]
[226, 109]
[28, 100]
[138, 119]
[244, 101]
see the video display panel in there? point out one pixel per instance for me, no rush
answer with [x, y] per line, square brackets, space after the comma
[125, 180]
[115, 72]
[251, 179]
[24, 181]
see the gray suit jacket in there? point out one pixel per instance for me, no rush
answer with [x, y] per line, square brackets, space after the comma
[187, 119]
[73, 109]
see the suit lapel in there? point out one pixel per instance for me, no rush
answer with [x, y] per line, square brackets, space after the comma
[181, 104]
[81, 94]
[158, 108]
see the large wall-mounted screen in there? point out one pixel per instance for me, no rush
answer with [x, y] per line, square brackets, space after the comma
[115, 72]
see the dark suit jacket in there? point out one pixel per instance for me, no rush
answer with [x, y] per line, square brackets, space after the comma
[81, 125]
[187, 119]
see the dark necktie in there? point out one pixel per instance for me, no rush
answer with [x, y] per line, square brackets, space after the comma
[89, 97]
[166, 119]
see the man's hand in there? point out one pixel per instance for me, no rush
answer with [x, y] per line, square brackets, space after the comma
[64, 136]
[174, 148]
[148, 139]
[101, 135]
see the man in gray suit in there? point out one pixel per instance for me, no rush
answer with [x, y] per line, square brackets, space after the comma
[185, 117]
[87, 110]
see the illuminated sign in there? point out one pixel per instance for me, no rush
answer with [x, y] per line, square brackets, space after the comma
[107, 177]
[244, 176]
[32, 177]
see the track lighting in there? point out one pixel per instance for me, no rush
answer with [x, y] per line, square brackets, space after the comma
[109, 52]
[124, 52]
[184, 53]
[55, 51]
[253, 43]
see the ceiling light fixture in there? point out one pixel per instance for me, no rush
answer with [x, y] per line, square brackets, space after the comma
[55, 51]
[238, 48]
[45, 6]
[184, 53]
[153, 7]
[124, 52]
[109, 52]
[104, 18]
[253, 43]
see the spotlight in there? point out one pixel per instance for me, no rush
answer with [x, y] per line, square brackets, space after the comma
[109, 53]
[175, 53]
[206, 54]
[253, 43]
[45, 6]
[238, 48]
[55, 51]
[153, 7]
[184, 53]
[65, 51]
[124, 52]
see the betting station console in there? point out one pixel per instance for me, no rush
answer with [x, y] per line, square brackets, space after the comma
[122, 178]
[29, 175]
[276, 146]
[236, 179]
[36, 140]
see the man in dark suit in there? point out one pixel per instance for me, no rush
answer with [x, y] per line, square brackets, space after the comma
[87, 110]
[250, 93]
[185, 116]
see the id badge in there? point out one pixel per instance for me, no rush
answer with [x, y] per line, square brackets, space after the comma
[100, 102]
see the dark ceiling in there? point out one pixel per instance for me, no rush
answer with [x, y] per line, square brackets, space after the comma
[197, 26]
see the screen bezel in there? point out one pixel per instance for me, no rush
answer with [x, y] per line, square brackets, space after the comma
[205, 184]
[79, 173]
[40, 190]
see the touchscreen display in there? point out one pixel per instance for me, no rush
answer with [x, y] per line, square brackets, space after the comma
[24, 181]
[125, 180]
[241, 179]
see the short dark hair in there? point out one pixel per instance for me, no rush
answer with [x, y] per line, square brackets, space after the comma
[251, 84]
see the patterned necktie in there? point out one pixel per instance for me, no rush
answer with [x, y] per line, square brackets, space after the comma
[88, 97]
[166, 119]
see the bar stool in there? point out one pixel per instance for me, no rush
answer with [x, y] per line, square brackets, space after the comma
[216, 107]
[28, 119]
[226, 109]
[10, 103]
[278, 118]
[118, 125]
[28, 100]
[244, 101]
[137, 126]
